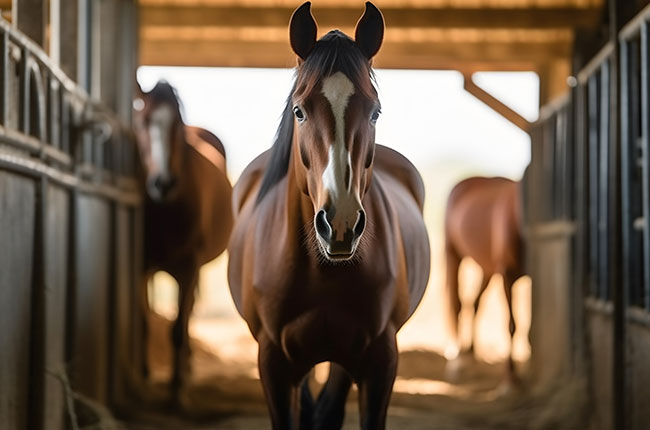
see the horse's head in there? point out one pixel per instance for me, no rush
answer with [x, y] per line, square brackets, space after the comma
[335, 106]
[159, 133]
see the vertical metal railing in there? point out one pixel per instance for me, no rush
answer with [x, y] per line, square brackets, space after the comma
[635, 141]
[593, 142]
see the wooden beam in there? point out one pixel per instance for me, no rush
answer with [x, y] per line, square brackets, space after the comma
[334, 17]
[495, 104]
[238, 53]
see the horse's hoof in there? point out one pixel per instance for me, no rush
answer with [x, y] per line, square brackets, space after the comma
[509, 386]
[456, 368]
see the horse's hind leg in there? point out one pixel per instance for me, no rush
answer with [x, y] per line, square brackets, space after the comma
[330, 406]
[187, 282]
[306, 404]
[453, 263]
[484, 283]
[508, 281]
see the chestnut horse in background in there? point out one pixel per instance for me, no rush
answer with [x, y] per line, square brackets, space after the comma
[483, 221]
[329, 255]
[187, 207]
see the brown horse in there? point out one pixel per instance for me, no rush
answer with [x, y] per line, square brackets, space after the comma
[329, 255]
[187, 210]
[483, 221]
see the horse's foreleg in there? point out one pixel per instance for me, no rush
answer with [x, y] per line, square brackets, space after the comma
[376, 380]
[282, 394]
[187, 283]
[330, 406]
[508, 281]
[484, 283]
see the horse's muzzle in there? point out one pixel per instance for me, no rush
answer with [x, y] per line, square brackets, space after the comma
[336, 245]
[158, 187]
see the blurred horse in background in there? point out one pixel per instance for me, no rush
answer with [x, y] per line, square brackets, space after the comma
[187, 208]
[483, 221]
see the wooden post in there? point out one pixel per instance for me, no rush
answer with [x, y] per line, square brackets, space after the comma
[30, 17]
[84, 42]
[64, 30]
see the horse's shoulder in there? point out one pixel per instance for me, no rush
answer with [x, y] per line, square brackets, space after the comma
[207, 137]
[401, 169]
[249, 180]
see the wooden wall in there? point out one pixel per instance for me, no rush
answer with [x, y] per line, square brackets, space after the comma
[69, 212]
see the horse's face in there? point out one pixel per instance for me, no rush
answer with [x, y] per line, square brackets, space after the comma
[335, 135]
[159, 131]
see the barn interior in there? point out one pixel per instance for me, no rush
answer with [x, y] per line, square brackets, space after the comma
[73, 331]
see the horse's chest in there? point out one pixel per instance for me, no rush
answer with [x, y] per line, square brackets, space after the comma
[316, 322]
[324, 335]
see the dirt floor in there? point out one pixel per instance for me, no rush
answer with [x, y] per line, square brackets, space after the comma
[430, 393]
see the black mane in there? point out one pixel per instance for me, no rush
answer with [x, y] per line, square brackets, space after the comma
[334, 52]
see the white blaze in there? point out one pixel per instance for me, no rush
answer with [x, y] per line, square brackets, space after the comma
[337, 89]
[159, 132]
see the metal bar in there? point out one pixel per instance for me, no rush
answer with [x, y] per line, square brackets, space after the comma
[593, 66]
[645, 154]
[633, 295]
[84, 44]
[627, 158]
[4, 77]
[633, 27]
[592, 124]
[54, 114]
[549, 167]
[620, 384]
[604, 182]
[560, 165]
[37, 346]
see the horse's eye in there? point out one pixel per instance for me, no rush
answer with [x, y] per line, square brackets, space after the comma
[375, 116]
[300, 116]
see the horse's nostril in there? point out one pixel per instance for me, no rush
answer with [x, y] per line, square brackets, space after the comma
[323, 227]
[360, 225]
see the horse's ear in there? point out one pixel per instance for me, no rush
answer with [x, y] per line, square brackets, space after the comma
[370, 31]
[302, 31]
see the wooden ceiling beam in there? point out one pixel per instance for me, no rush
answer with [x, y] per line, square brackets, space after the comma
[334, 17]
[459, 56]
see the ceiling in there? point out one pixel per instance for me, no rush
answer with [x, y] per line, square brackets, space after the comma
[420, 34]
